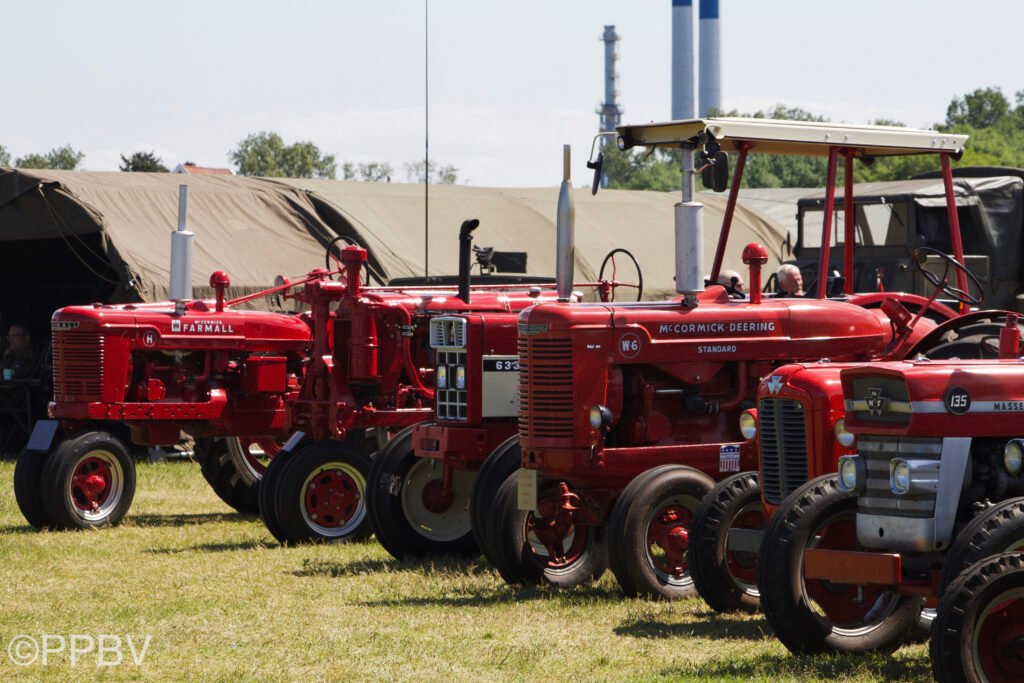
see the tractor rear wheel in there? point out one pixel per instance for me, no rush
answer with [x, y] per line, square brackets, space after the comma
[28, 486]
[409, 511]
[88, 482]
[321, 494]
[999, 529]
[233, 467]
[649, 531]
[530, 547]
[815, 616]
[727, 578]
[978, 634]
[500, 464]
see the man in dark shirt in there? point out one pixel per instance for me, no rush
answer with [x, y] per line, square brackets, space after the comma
[18, 360]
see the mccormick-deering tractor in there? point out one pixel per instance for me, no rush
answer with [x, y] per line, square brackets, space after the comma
[422, 483]
[932, 485]
[629, 412]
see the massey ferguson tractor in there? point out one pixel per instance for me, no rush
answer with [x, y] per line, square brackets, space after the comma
[931, 486]
[421, 485]
[629, 413]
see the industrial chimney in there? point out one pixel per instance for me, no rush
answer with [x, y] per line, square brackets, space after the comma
[611, 113]
[682, 59]
[710, 80]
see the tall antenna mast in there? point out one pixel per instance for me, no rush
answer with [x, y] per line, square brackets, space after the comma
[426, 139]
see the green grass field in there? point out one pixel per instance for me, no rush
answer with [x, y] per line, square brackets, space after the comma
[223, 602]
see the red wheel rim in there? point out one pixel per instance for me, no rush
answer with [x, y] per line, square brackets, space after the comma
[91, 484]
[999, 639]
[846, 606]
[556, 542]
[668, 537]
[743, 564]
[332, 497]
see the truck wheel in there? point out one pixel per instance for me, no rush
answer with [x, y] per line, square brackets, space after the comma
[28, 486]
[267, 494]
[978, 634]
[502, 462]
[88, 482]
[233, 467]
[408, 513]
[999, 529]
[528, 548]
[649, 531]
[727, 579]
[321, 494]
[816, 616]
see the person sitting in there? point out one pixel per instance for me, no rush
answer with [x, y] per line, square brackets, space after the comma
[733, 283]
[791, 282]
[18, 361]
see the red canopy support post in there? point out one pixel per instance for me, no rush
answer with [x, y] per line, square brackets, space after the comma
[848, 216]
[826, 227]
[730, 208]
[954, 225]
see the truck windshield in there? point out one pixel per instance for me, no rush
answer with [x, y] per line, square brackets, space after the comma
[876, 225]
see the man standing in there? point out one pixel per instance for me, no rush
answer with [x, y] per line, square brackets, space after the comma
[18, 360]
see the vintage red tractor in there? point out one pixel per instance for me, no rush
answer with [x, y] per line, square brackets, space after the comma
[629, 413]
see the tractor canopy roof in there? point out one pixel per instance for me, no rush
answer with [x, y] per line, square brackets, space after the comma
[803, 138]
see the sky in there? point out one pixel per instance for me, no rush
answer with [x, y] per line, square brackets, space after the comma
[509, 82]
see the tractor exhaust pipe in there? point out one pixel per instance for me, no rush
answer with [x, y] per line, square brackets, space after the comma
[689, 228]
[465, 249]
[181, 256]
[565, 236]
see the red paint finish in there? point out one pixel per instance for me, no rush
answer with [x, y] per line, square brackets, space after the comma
[1000, 642]
[91, 484]
[331, 499]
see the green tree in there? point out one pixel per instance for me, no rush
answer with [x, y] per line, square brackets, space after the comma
[63, 158]
[376, 171]
[5, 156]
[265, 154]
[979, 109]
[142, 162]
[440, 175]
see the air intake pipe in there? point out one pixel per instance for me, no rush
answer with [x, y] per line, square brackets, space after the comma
[465, 250]
[565, 232]
[181, 256]
[689, 228]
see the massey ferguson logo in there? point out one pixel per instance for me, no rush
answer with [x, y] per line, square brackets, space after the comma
[876, 402]
[774, 384]
[201, 327]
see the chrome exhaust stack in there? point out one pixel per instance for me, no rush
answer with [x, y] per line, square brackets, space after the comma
[689, 229]
[181, 256]
[565, 233]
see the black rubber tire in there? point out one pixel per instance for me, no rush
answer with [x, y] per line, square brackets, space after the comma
[517, 563]
[391, 474]
[964, 603]
[267, 494]
[221, 473]
[57, 480]
[998, 529]
[780, 578]
[289, 493]
[628, 550]
[712, 577]
[28, 486]
[499, 465]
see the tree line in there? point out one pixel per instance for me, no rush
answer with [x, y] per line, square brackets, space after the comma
[262, 154]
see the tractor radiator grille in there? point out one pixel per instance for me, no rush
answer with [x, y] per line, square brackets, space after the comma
[77, 366]
[783, 441]
[452, 402]
[545, 388]
[878, 498]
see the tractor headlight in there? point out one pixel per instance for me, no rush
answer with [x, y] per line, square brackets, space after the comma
[899, 476]
[845, 438]
[748, 424]
[851, 472]
[442, 377]
[600, 417]
[460, 377]
[1013, 457]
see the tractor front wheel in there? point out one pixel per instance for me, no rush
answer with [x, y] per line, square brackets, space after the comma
[815, 616]
[998, 529]
[978, 634]
[410, 512]
[321, 494]
[528, 547]
[499, 465]
[88, 482]
[649, 532]
[725, 536]
[28, 486]
[233, 467]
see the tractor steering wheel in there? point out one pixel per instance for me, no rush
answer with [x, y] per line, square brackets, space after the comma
[943, 283]
[608, 287]
[329, 256]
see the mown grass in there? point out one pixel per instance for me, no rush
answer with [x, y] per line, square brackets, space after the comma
[223, 602]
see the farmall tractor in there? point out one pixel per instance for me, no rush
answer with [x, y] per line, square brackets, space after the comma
[629, 412]
[425, 497]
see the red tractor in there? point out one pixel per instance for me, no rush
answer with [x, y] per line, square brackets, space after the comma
[629, 413]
